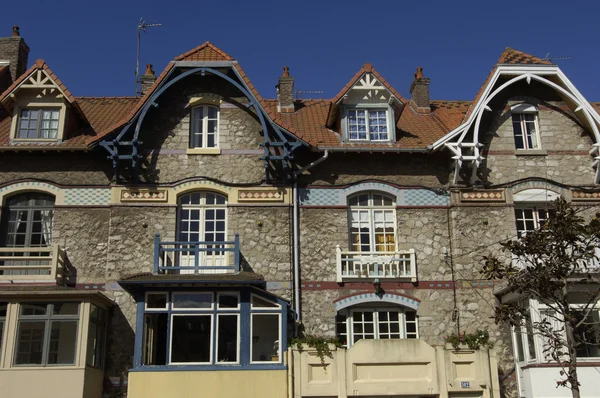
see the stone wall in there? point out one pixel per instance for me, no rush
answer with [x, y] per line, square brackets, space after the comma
[166, 136]
[564, 147]
[68, 168]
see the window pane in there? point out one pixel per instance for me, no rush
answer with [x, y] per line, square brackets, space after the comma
[191, 338]
[265, 337]
[192, 300]
[63, 342]
[587, 335]
[30, 342]
[3, 307]
[262, 303]
[32, 309]
[227, 338]
[156, 300]
[155, 339]
[228, 300]
[65, 308]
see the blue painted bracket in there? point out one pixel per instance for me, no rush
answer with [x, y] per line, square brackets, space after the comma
[278, 145]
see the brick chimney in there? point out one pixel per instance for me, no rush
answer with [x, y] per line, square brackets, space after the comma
[419, 92]
[147, 79]
[14, 52]
[285, 92]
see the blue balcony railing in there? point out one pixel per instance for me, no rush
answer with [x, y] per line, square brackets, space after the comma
[201, 257]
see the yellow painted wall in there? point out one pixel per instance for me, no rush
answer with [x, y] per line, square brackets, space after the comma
[43, 382]
[209, 384]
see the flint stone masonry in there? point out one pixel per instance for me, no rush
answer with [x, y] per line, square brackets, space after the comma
[265, 248]
[169, 129]
[430, 170]
[76, 168]
[558, 132]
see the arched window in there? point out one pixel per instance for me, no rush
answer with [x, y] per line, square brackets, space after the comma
[28, 220]
[372, 221]
[370, 322]
[202, 217]
[204, 127]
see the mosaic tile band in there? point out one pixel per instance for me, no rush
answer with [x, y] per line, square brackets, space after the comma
[417, 197]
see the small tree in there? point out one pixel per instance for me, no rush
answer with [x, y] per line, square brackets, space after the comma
[557, 265]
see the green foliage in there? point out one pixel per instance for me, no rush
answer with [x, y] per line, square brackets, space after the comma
[475, 341]
[319, 343]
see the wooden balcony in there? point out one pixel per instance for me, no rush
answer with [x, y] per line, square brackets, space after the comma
[399, 264]
[201, 257]
[32, 264]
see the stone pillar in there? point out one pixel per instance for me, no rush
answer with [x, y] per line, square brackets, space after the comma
[14, 50]
[419, 92]
[147, 79]
[285, 92]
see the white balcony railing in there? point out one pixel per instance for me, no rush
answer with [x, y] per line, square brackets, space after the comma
[399, 264]
[588, 265]
[32, 264]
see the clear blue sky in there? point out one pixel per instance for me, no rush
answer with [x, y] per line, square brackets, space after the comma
[91, 46]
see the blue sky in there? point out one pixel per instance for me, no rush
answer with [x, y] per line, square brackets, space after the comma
[92, 46]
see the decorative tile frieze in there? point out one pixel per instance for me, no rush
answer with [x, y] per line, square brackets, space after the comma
[581, 195]
[145, 195]
[255, 195]
[338, 196]
[87, 196]
[483, 196]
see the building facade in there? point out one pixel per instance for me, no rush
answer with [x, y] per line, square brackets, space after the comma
[175, 242]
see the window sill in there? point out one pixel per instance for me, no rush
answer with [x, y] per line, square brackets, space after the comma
[183, 368]
[36, 140]
[531, 152]
[203, 151]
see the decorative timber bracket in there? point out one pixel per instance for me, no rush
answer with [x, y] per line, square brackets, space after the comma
[278, 145]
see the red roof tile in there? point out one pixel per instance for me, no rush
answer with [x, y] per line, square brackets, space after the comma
[512, 56]
[204, 52]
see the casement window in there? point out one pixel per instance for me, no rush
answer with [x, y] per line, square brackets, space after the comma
[206, 328]
[38, 123]
[27, 223]
[47, 334]
[367, 125]
[526, 127]
[202, 217]
[204, 127]
[372, 223]
[358, 323]
[531, 217]
[524, 341]
[96, 337]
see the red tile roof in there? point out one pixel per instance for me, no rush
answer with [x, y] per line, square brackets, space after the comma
[512, 56]
[205, 52]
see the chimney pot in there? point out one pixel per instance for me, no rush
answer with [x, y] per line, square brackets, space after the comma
[15, 31]
[285, 92]
[149, 70]
[419, 92]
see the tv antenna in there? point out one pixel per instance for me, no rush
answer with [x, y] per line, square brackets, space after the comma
[549, 58]
[300, 93]
[142, 25]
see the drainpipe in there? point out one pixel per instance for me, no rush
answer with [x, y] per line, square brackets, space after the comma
[296, 227]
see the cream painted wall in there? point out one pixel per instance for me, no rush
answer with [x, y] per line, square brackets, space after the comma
[43, 382]
[214, 384]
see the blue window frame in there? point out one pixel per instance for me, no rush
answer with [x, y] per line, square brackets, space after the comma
[210, 329]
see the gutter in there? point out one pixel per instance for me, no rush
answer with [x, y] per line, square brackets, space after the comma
[296, 237]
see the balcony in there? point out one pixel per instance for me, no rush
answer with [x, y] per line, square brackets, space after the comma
[202, 257]
[399, 264]
[32, 264]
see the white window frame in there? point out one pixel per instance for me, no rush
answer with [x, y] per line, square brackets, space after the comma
[204, 126]
[40, 121]
[349, 314]
[371, 209]
[197, 312]
[367, 111]
[519, 111]
[167, 302]
[537, 217]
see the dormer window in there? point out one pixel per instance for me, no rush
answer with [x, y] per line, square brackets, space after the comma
[38, 124]
[525, 127]
[368, 125]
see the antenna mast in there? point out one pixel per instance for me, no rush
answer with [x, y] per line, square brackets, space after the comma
[549, 58]
[142, 25]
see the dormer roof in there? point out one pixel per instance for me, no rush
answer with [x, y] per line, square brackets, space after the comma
[204, 52]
